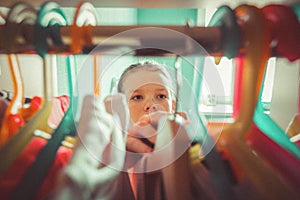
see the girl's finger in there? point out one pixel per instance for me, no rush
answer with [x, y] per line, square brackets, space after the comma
[136, 145]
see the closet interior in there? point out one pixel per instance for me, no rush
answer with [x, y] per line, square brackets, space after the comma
[236, 69]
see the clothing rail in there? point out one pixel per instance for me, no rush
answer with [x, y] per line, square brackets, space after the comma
[208, 37]
[136, 37]
[131, 36]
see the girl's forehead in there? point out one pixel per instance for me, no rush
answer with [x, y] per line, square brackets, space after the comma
[139, 78]
[151, 87]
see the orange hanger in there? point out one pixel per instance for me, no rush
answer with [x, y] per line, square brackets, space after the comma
[96, 76]
[13, 119]
[81, 31]
[232, 138]
[16, 114]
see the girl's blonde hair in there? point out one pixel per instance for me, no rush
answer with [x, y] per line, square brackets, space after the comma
[149, 66]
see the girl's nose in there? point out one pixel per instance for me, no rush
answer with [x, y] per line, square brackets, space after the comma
[150, 106]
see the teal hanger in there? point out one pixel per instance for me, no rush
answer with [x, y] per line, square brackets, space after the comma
[271, 128]
[224, 17]
[272, 144]
[279, 13]
[50, 18]
[230, 31]
[37, 172]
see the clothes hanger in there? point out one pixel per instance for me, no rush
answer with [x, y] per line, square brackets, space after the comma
[232, 141]
[230, 33]
[22, 14]
[260, 138]
[66, 127]
[225, 18]
[268, 140]
[19, 14]
[110, 168]
[37, 172]
[16, 113]
[38, 125]
[85, 18]
[13, 118]
[81, 31]
[278, 15]
[285, 28]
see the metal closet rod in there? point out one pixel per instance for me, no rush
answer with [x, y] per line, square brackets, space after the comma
[172, 37]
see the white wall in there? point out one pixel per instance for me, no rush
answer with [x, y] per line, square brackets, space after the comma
[32, 74]
[284, 104]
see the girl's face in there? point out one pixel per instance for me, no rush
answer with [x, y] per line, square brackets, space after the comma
[146, 92]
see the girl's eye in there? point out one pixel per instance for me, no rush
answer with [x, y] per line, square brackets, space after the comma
[161, 96]
[137, 97]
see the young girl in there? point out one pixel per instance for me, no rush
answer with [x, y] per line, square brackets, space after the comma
[149, 91]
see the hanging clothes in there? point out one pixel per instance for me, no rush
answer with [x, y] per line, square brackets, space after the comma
[59, 107]
[14, 174]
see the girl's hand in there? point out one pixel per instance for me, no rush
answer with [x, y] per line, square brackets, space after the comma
[142, 135]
